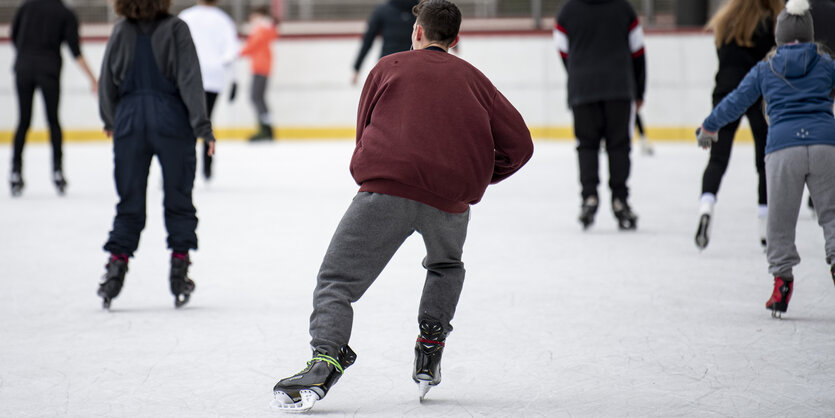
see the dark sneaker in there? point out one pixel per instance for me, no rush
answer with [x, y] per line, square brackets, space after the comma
[16, 182]
[181, 285]
[428, 351]
[113, 279]
[627, 220]
[779, 301]
[587, 211]
[60, 181]
[299, 392]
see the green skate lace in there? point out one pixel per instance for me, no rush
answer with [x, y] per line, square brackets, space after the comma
[327, 359]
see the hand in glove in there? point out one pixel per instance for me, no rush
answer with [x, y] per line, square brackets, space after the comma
[705, 138]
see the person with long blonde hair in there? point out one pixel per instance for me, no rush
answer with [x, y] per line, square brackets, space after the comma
[743, 34]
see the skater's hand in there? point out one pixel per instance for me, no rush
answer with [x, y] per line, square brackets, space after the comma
[108, 133]
[705, 138]
[211, 151]
[638, 105]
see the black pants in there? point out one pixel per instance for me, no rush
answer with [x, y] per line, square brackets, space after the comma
[720, 152]
[593, 122]
[50, 88]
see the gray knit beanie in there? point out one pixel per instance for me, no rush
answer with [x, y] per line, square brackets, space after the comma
[794, 23]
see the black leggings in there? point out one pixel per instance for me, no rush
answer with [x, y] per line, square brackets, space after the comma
[50, 88]
[720, 152]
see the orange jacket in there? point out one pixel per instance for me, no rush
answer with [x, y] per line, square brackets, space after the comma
[258, 48]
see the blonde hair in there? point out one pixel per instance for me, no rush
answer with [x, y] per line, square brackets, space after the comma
[737, 20]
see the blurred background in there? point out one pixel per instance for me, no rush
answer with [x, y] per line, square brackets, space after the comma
[311, 96]
[655, 13]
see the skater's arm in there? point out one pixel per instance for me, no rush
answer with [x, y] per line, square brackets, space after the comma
[190, 82]
[734, 105]
[108, 90]
[639, 66]
[511, 139]
[561, 42]
[374, 24]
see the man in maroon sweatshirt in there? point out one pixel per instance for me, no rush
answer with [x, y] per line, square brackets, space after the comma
[432, 133]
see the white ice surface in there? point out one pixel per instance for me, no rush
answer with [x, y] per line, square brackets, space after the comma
[553, 321]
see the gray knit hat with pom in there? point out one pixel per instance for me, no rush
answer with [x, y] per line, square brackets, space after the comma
[794, 23]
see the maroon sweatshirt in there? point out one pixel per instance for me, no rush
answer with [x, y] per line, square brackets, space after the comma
[432, 128]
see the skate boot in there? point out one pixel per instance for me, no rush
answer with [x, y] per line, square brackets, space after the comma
[181, 285]
[587, 211]
[627, 220]
[779, 301]
[16, 181]
[298, 393]
[428, 350]
[703, 231]
[111, 283]
[60, 181]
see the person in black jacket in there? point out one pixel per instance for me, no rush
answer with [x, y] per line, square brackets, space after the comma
[743, 34]
[393, 20]
[602, 46]
[38, 30]
[152, 103]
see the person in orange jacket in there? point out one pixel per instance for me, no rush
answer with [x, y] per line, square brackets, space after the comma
[258, 49]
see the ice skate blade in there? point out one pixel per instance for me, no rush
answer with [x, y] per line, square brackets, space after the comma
[703, 233]
[283, 403]
[181, 300]
[423, 388]
[776, 314]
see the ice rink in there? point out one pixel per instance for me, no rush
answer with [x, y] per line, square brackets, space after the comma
[553, 321]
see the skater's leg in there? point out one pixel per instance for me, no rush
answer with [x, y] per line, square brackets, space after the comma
[618, 115]
[25, 84]
[443, 234]
[588, 128]
[51, 89]
[759, 129]
[132, 160]
[370, 232]
[786, 172]
[821, 183]
[178, 161]
[720, 155]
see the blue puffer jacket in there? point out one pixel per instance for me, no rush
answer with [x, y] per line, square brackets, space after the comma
[797, 85]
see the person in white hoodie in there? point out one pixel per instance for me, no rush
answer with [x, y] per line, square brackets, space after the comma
[216, 40]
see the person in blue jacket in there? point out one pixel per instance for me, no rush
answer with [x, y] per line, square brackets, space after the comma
[152, 102]
[796, 81]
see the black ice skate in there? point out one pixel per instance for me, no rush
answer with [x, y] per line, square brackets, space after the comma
[627, 220]
[60, 181]
[428, 350]
[587, 211]
[703, 232]
[16, 182]
[112, 281]
[779, 301]
[181, 285]
[298, 393]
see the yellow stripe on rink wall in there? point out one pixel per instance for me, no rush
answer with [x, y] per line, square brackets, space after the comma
[301, 133]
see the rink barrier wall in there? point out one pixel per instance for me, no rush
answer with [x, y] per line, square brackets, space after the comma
[310, 96]
[665, 134]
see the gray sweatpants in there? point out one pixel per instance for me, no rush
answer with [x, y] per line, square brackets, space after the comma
[370, 232]
[257, 93]
[786, 172]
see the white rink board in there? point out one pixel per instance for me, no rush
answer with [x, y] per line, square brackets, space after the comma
[553, 322]
[310, 85]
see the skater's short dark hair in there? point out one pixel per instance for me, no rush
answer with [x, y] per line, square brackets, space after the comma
[141, 9]
[440, 20]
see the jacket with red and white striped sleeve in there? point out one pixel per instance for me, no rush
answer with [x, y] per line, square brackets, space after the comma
[601, 43]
